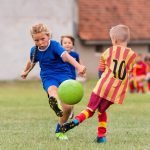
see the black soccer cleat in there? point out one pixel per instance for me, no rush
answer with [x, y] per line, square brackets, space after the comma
[54, 105]
[67, 126]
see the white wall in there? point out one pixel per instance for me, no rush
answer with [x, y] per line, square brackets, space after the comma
[17, 16]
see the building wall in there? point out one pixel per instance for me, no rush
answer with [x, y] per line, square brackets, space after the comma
[17, 16]
[89, 58]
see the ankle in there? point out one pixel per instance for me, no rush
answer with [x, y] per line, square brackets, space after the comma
[75, 121]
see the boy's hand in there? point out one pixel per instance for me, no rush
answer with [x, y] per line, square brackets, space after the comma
[24, 74]
[26, 71]
[81, 70]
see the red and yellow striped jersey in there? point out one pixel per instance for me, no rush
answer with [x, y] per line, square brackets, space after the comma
[116, 63]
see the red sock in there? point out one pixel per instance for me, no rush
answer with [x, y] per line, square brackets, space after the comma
[84, 115]
[102, 119]
[131, 87]
[142, 89]
[148, 84]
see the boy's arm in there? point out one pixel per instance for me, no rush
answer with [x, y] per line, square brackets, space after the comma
[29, 66]
[67, 58]
[101, 66]
[100, 73]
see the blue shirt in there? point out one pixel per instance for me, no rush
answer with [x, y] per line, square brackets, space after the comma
[50, 61]
[75, 55]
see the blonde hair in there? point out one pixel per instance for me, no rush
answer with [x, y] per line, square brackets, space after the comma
[39, 28]
[120, 32]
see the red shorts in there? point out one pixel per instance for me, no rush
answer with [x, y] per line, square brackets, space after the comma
[99, 103]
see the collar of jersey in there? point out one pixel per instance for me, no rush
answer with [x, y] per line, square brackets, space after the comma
[46, 47]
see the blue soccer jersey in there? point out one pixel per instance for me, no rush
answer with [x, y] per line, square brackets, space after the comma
[53, 68]
[75, 55]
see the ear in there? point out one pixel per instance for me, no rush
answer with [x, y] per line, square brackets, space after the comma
[114, 41]
[49, 35]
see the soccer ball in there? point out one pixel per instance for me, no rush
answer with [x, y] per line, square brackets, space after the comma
[70, 92]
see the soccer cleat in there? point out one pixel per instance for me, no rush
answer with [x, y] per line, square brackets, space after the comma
[101, 140]
[54, 105]
[69, 125]
[61, 136]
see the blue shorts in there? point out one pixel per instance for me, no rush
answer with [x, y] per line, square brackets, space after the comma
[54, 81]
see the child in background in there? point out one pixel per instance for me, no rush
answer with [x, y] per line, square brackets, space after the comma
[132, 85]
[139, 74]
[52, 58]
[68, 42]
[115, 66]
[147, 61]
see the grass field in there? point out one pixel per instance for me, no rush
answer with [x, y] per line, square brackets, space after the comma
[27, 122]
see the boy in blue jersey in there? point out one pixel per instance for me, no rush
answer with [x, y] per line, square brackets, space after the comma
[68, 42]
[52, 59]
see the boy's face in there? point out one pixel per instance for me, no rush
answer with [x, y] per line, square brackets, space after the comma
[67, 44]
[41, 40]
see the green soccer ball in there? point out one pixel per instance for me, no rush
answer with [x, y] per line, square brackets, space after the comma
[70, 92]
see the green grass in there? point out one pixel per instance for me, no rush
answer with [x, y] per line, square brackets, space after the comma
[27, 122]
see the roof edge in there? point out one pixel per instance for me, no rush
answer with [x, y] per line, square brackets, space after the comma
[106, 42]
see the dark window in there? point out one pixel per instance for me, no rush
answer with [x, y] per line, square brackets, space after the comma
[99, 49]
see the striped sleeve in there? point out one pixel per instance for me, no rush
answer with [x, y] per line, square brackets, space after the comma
[101, 66]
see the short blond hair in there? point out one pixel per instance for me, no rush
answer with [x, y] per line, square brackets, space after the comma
[120, 32]
[39, 28]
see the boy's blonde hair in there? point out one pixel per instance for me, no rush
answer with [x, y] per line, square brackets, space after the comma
[39, 28]
[120, 33]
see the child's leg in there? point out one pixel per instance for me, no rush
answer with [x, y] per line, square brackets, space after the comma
[141, 87]
[138, 87]
[78, 119]
[84, 115]
[148, 84]
[54, 105]
[102, 118]
[131, 87]
[143, 90]
[87, 113]
[59, 135]
[102, 123]
[66, 112]
[90, 110]
[52, 95]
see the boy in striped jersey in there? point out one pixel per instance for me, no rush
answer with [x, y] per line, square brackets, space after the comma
[115, 66]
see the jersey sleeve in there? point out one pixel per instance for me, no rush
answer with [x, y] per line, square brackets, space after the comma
[101, 66]
[58, 49]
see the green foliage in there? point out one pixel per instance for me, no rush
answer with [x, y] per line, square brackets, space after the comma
[27, 122]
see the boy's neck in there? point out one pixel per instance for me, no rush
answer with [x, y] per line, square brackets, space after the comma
[124, 44]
